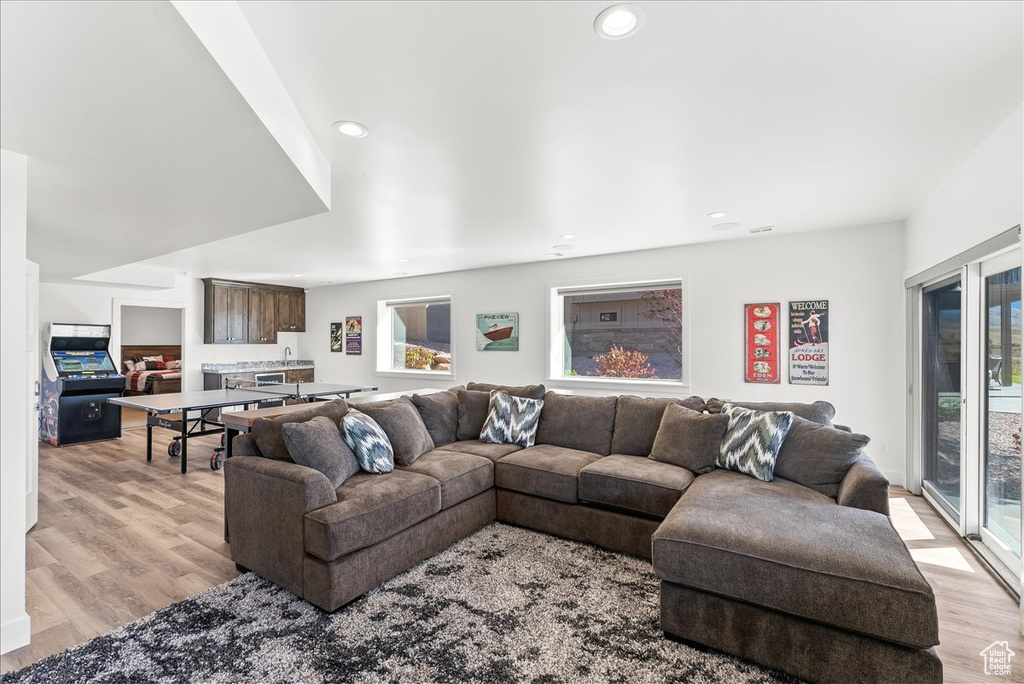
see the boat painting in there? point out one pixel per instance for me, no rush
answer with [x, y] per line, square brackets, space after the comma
[497, 332]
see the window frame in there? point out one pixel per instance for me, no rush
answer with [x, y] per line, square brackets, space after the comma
[558, 290]
[385, 335]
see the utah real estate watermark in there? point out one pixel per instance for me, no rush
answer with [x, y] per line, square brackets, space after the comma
[997, 658]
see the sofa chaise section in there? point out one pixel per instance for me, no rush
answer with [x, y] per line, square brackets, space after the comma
[776, 556]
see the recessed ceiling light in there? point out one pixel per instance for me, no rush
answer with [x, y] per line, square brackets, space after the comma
[725, 226]
[351, 128]
[296, 275]
[716, 214]
[403, 273]
[619, 21]
[554, 255]
[568, 236]
[562, 248]
[402, 260]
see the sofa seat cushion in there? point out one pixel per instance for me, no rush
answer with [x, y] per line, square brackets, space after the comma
[475, 446]
[786, 547]
[460, 475]
[634, 483]
[370, 508]
[548, 471]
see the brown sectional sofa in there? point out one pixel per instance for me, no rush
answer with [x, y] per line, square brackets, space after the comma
[775, 572]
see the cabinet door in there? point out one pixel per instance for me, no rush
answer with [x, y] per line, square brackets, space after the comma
[227, 314]
[262, 316]
[291, 311]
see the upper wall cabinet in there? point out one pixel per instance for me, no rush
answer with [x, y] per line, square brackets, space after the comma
[251, 313]
[291, 311]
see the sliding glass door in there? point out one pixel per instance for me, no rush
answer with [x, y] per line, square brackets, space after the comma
[1000, 480]
[941, 412]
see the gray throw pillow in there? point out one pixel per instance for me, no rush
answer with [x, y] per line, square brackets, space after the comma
[818, 456]
[820, 412]
[369, 442]
[405, 429]
[267, 431]
[689, 439]
[637, 421]
[473, 406]
[752, 441]
[511, 420]
[527, 391]
[318, 444]
[440, 413]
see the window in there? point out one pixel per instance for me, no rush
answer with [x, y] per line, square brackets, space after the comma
[415, 335]
[630, 331]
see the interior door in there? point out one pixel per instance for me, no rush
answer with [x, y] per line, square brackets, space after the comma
[32, 372]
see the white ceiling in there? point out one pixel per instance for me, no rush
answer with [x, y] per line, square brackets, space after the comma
[495, 127]
[138, 143]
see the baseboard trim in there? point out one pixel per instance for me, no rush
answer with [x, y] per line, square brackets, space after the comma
[896, 477]
[15, 633]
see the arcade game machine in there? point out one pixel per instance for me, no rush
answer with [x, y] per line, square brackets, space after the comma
[78, 378]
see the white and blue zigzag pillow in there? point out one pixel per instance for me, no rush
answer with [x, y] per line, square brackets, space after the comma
[752, 441]
[368, 440]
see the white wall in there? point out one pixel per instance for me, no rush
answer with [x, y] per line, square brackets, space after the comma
[14, 381]
[150, 325]
[982, 197]
[859, 270]
[88, 304]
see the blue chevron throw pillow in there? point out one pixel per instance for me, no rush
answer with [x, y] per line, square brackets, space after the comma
[511, 420]
[368, 440]
[752, 441]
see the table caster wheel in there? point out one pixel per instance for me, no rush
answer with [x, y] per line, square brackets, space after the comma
[216, 460]
[174, 448]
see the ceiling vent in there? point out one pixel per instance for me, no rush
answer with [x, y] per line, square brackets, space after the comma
[762, 229]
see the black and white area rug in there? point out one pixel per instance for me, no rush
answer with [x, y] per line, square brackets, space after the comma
[503, 605]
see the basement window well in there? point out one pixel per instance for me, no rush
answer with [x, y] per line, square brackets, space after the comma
[415, 336]
[618, 331]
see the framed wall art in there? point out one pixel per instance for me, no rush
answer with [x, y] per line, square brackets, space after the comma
[808, 342]
[497, 332]
[761, 343]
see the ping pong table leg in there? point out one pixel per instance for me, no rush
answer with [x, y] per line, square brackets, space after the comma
[149, 440]
[184, 441]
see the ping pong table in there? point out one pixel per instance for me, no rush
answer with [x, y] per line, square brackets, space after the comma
[171, 411]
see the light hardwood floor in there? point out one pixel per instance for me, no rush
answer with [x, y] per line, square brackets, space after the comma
[118, 538]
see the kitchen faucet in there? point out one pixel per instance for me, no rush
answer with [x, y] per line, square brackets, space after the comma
[287, 353]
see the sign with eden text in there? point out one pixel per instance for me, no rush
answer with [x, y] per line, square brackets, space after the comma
[761, 343]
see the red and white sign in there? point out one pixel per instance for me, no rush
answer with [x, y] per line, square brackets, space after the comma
[761, 343]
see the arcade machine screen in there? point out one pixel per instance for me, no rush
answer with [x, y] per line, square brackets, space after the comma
[82, 362]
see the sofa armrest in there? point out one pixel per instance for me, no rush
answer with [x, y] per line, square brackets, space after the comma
[266, 502]
[864, 486]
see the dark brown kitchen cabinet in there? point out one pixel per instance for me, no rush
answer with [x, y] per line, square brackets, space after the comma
[262, 316]
[251, 313]
[299, 375]
[227, 312]
[291, 311]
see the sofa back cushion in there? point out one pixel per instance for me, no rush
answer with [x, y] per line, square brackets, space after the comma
[688, 438]
[405, 429]
[526, 391]
[577, 422]
[820, 412]
[318, 444]
[637, 421]
[440, 414]
[267, 431]
[473, 407]
[818, 456]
